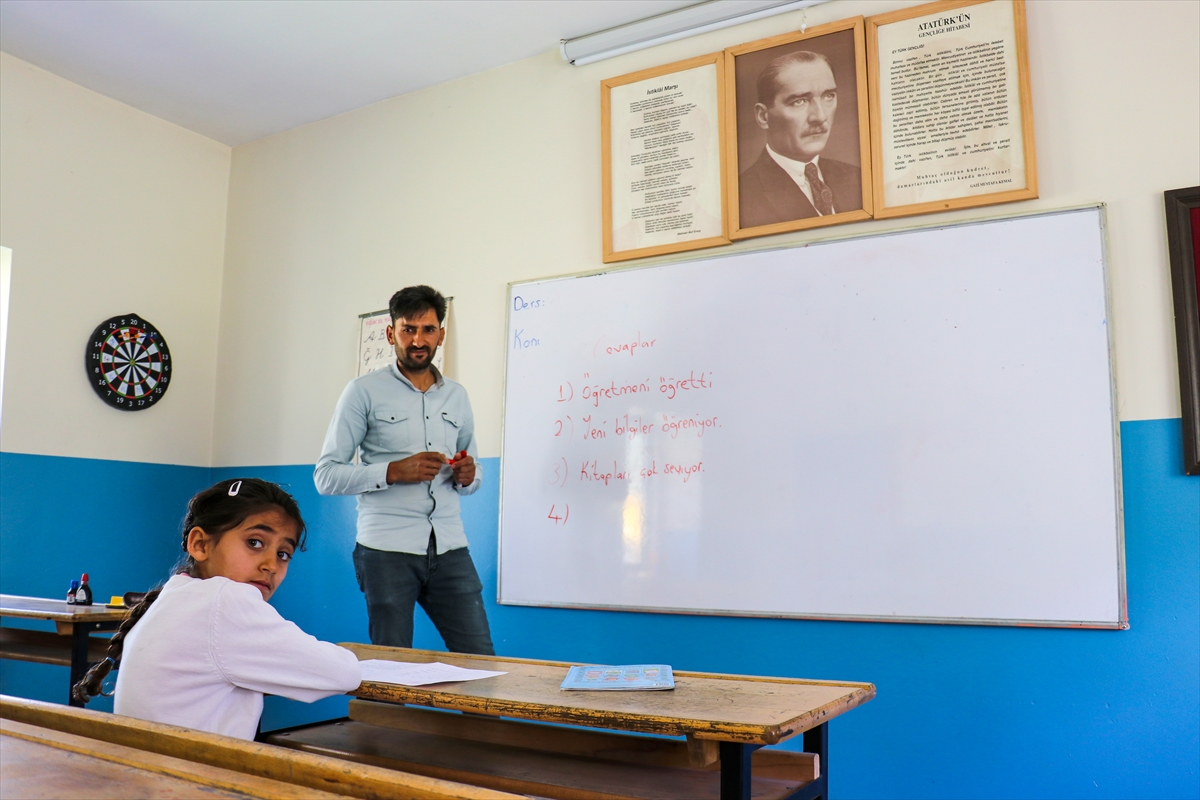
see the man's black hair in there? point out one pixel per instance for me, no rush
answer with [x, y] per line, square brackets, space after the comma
[413, 301]
[768, 79]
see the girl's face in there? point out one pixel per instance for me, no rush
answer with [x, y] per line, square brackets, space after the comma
[256, 552]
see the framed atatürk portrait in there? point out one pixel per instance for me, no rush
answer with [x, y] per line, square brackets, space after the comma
[799, 144]
[951, 112]
[1183, 242]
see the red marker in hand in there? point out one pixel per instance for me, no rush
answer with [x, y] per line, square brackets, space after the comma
[462, 454]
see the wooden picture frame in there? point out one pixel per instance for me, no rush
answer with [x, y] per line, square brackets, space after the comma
[942, 134]
[1183, 244]
[768, 194]
[668, 195]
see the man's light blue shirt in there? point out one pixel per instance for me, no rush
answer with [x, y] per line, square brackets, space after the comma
[385, 418]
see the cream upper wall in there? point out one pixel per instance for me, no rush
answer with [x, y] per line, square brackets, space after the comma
[496, 178]
[108, 210]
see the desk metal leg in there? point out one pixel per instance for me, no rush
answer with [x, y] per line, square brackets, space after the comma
[816, 741]
[735, 770]
[80, 638]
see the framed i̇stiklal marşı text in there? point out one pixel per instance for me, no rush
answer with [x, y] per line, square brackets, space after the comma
[951, 114]
[662, 159]
[1183, 243]
[799, 149]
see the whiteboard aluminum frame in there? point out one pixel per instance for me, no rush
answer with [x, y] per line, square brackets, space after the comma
[1122, 622]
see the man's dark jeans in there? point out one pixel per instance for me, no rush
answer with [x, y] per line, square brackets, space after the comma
[446, 586]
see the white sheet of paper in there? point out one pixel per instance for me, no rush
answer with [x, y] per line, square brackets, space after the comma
[408, 674]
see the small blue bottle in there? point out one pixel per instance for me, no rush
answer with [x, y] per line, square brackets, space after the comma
[71, 592]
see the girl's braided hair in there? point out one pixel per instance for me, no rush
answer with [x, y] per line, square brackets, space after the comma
[215, 510]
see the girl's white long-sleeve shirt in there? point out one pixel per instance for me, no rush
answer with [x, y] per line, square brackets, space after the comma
[206, 652]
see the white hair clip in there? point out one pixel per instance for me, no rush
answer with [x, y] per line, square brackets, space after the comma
[234, 488]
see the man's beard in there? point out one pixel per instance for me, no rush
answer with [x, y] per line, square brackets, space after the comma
[412, 365]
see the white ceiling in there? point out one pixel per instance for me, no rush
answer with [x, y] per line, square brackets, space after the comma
[239, 70]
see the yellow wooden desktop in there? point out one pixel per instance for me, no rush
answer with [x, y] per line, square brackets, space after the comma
[720, 722]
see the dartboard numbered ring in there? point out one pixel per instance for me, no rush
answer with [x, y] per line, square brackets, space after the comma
[128, 363]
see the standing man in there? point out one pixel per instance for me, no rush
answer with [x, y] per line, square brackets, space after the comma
[415, 433]
[797, 102]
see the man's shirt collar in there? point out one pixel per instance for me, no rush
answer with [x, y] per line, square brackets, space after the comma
[792, 165]
[438, 381]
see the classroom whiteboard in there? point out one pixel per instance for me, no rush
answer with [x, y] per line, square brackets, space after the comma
[911, 426]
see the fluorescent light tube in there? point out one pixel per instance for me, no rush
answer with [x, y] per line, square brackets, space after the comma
[689, 21]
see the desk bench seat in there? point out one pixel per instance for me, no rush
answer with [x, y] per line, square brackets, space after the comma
[547, 761]
[52, 744]
[47, 764]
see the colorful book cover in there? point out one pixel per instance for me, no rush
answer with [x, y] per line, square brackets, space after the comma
[632, 677]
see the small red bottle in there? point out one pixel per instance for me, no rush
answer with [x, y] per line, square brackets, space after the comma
[83, 595]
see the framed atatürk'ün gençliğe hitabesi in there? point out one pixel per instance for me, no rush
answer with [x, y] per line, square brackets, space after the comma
[951, 114]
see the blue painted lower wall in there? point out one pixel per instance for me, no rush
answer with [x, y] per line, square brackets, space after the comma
[961, 711]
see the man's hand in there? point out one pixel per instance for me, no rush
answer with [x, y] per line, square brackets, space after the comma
[417, 469]
[464, 469]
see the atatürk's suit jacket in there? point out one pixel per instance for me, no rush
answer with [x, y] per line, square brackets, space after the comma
[767, 194]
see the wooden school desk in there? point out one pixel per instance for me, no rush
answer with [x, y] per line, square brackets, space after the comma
[53, 751]
[71, 645]
[723, 719]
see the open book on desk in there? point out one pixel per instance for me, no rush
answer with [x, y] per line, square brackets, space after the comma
[631, 677]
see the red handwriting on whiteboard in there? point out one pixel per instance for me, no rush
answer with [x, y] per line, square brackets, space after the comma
[563, 514]
[564, 427]
[591, 472]
[624, 426]
[591, 432]
[597, 392]
[623, 348]
[686, 471]
[673, 386]
[561, 473]
[565, 394]
[696, 424]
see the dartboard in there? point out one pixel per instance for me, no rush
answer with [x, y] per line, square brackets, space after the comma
[128, 363]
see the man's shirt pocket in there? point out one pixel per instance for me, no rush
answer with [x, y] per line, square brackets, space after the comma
[451, 426]
[390, 431]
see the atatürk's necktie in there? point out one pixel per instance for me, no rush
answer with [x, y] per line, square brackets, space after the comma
[822, 196]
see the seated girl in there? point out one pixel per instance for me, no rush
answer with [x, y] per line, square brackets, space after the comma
[202, 650]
